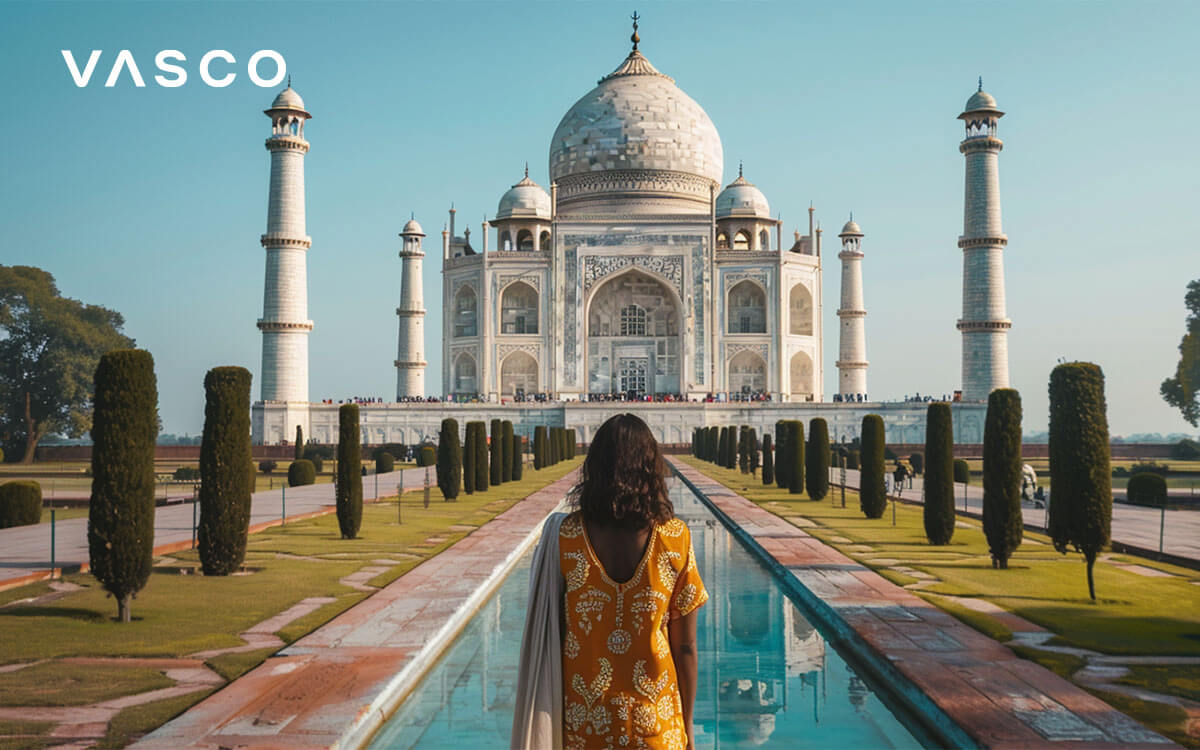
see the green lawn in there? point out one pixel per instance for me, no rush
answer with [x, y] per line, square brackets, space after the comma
[59, 684]
[176, 614]
[1134, 614]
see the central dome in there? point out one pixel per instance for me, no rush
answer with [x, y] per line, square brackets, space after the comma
[636, 133]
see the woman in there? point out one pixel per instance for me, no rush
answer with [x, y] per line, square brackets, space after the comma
[627, 591]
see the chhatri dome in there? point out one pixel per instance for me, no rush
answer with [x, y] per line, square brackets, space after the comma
[742, 198]
[288, 99]
[525, 199]
[412, 227]
[636, 135]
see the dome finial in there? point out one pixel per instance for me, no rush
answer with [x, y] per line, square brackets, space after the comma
[289, 80]
[634, 37]
[739, 167]
[526, 169]
[980, 83]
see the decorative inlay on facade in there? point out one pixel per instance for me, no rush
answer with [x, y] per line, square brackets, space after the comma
[279, 240]
[733, 278]
[276, 143]
[969, 242]
[570, 309]
[984, 325]
[533, 349]
[733, 349]
[670, 267]
[852, 313]
[274, 325]
[532, 279]
[981, 144]
[635, 180]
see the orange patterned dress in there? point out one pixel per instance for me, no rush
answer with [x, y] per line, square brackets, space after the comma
[619, 684]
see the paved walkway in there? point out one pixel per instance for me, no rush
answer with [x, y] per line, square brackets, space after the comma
[1131, 524]
[25, 550]
[997, 699]
[333, 687]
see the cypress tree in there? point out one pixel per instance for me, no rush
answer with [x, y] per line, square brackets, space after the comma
[1002, 521]
[872, 493]
[469, 458]
[496, 453]
[518, 458]
[551, 446]
[938, 511]
[539, 447]
[482, 472]
[449, 460]
[226, 480]
[573, 442]
[696, 442]
[299, 453]
[918, 463]
[744, 449]
[795, 433]
[721, 446]
[781, 454]
[768, 462]
[816, 478]
[349, 472]
[121, 510]
[506, 451]
[1080, 465]
[731, 455]
[753, 448]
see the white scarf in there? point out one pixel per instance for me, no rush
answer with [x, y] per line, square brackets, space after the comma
[537, 711]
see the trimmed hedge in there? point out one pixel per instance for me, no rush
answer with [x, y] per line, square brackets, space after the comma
[872, 492]
[349, 492]
[1147, 489]
[301, 472]
[496, 453]
[449, 460]
[481, 457]
[768, 461]
[1080, 466]
[225, 471]
[938, 510]
[816, 476]
[1002, 520]
[795, 457]
[518, 462]
[753, 446]
[743, 449]
[266, 467]
[539, 447]
[384, 462]
[299, 452]
[20, 503]
[962, 470]
[507, 445]
[427, 455]
[316, 459]
[121, 509]
[469, 457]
[917, 461]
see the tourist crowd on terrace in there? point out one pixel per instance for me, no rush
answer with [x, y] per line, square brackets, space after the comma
[630, 397]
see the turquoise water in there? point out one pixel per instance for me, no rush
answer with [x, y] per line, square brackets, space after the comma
[767, 676]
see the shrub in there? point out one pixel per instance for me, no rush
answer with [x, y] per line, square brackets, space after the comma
[938, 510]
[816, 477]
[384, 462]
[962, 470]
[1080, 469]
[192, 473]
[470, 456]
[1002, 520]
[301, 472]
[225, 471]
[496, 453]
[506, 451]
[349, 494]
[872, 492]
[539, 447]
[326, 452]
[449, 460]
[917, 462]
[1147, 489]
[267, 466]
[121, 509]
[853, 459]
[481, 458]
[318, 463]
[20, 503]
[299, 451]
[1185, 450]
[427, 455]
[518, 459]
[795, 433]
[1150, 467]
[768, 461]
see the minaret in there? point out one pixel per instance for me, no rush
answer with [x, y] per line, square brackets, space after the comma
[410, 352]
[984, 322]
[285, 324]
[852, 348]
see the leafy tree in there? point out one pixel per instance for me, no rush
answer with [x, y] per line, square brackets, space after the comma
[872, 493]
[816, 476]
[938, 510]
[506, 451]
[1180, 391]
[226, 471]
[50, 346]
[768, 462]
[1002, 520]
[349, 492]
[1080, 466]
[449, 460]
[121, 509]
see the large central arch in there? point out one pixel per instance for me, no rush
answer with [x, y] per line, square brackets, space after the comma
[634, 335]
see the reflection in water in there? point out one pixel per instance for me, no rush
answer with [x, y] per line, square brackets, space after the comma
[766, 676]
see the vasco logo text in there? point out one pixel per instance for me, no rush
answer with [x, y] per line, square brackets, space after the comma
[217, 61]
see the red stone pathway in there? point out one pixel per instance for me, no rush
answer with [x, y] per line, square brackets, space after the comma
[998, 699]
[334, 686]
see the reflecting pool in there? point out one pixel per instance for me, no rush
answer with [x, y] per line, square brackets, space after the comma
[767, 676]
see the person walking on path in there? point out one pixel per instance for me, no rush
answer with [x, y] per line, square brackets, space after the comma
[609, 656]
[899, 476]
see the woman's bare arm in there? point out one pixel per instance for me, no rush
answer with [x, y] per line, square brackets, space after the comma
[682, 633]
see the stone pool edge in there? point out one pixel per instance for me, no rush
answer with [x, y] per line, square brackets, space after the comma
[1040, 702]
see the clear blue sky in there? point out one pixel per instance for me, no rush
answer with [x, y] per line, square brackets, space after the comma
[151, 201]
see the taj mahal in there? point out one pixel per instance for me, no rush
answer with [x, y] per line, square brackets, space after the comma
[639, 274]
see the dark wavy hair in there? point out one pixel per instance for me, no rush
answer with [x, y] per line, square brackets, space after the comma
[622, 482]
